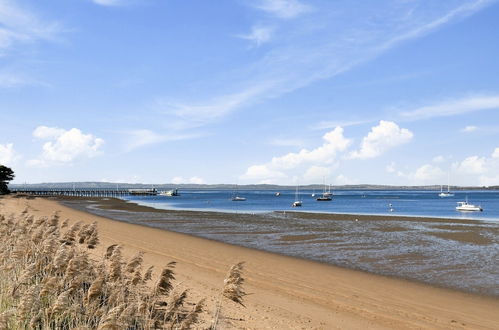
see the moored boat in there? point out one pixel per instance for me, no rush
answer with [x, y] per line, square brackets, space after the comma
[467, 207]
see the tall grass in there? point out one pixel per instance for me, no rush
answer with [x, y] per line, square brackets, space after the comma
[49, 280]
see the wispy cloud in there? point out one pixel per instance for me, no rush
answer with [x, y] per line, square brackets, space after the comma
[143, 137]
[469, 129]
[13, 80]
[453, 107]
[258, 35]
[109, 2]
[283, 8]
[21, 25]
[327, 124]
[323, 46]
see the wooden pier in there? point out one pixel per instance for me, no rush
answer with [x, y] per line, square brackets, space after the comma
[85, 192]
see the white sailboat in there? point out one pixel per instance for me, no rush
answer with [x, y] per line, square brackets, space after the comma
[448, 193]
[237, 198]
[297, 202]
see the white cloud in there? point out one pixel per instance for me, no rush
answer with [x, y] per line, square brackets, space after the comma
[7, 154]
[19, 25]
[334, 142]
[469, 129]
[317, 173]
[454, 107]
[438, 159]
[428, 174]
[283, 8]
[391, 168]
[262, 174]
[65, 146]
[258, 35]
[382, 138]
[495, 154]
[471, 165]
[193, 180]
[343, 180]
[44, 132]
[287, 142]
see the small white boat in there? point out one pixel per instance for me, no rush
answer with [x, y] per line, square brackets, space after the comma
[444, 194]
[173, 192]
[236, 198]
[297, 202]
[278, 194]
[467, 207]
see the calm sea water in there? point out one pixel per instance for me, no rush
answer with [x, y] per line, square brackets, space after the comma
[458, 253]
[408, 203]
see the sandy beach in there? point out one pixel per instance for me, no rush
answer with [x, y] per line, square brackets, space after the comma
[285, 292]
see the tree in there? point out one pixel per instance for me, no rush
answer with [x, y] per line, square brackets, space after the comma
[6, 175]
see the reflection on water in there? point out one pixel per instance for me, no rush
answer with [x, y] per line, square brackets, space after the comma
[457, 253]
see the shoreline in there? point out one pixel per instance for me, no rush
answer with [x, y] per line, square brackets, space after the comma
[125, 206]
[134, 205]
[388, 214]
[288, 292]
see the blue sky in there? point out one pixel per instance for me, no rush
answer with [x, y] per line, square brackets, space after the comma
[261, 91]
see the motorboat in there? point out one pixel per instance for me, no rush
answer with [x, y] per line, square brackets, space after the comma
[277, 194]
[467, 207]
[173, 192]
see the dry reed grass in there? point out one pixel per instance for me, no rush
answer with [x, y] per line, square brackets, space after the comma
[49, 280]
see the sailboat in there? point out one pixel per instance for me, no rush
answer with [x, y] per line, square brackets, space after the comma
[297, 202]
[237, 198]
[326, 195]
[448, 193]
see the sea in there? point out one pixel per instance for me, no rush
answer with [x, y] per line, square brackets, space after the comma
[370, 202]
[408, 235]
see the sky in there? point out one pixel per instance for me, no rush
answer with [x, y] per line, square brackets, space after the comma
[400, 92]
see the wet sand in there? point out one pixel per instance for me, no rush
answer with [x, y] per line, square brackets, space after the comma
[286, 292]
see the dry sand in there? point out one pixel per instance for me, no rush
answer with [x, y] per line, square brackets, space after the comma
[286, 293]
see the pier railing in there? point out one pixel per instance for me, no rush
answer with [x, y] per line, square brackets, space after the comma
[84, 192]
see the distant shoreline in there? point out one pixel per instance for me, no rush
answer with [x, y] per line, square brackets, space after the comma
[230, 186]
